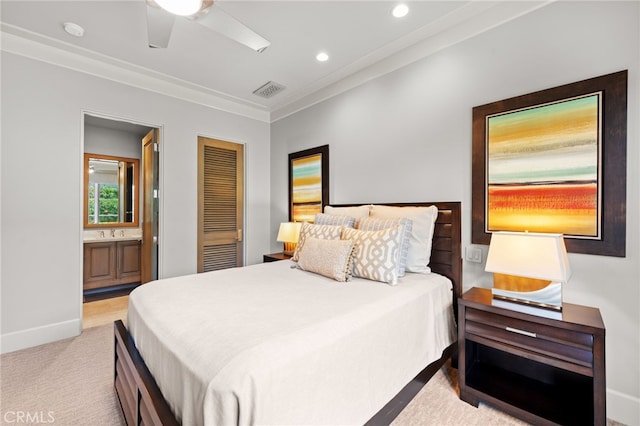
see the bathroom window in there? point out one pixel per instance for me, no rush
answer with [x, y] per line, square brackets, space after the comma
[104, 207]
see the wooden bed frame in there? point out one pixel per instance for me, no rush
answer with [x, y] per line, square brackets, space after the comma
[142, 402]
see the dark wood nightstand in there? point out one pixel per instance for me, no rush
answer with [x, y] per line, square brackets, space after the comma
[542, 370]
[273, 257]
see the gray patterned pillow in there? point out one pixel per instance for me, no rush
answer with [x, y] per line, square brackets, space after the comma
[326, 232]
[334, 219]
[377, 224]
[376, 253]
[330, 258]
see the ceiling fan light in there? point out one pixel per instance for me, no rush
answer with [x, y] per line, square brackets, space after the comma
[180, 7]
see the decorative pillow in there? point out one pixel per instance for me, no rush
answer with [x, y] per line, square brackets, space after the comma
[334, 219]
[377, 224]
[423, 219]
[358, 211]
[327, 232]
[376, 253]
[330, 258]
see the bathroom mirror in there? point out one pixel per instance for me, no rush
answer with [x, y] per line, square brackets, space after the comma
[111, 191]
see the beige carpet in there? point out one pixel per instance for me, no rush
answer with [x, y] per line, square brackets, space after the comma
[70, 383]
[438, 404]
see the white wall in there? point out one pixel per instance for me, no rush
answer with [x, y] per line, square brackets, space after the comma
[395, 138]
[41, 181]
[118, 143]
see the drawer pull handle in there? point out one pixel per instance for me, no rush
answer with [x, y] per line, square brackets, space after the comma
[526, 333]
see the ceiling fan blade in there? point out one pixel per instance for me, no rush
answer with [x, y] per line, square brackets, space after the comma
[159, 25]
[219, 21]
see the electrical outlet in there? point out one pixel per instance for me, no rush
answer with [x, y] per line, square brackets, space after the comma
[473, 254]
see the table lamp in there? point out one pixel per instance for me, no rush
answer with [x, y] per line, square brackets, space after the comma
[288, 234]
[528, 268]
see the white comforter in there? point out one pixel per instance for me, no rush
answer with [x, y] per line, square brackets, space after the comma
[268, 344]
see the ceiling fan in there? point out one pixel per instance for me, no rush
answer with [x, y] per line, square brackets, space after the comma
[161, 15]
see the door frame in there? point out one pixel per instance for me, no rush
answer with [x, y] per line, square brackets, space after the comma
[155, 230]
[113, 117]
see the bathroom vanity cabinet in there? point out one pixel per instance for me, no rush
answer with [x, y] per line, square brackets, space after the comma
[111, 263]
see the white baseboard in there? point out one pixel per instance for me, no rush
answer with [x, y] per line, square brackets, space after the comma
[30, 337]
[623, 408]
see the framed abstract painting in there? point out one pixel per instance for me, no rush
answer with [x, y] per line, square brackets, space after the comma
[554, 161]
[308, 183]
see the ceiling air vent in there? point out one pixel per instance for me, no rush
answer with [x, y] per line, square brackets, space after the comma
[268, 89]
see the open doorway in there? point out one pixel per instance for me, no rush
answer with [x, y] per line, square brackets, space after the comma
[120, 206]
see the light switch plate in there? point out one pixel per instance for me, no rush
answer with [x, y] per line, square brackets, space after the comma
[473, 254]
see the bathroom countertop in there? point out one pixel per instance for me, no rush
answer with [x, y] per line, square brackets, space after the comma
[107, 239]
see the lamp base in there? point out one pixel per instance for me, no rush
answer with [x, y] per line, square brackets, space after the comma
[527, 303]
[289, 248]
[549, 297]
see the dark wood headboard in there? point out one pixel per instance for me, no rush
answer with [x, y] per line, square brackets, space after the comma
[446, 249]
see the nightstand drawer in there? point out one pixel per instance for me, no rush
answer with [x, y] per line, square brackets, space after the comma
[561, 344]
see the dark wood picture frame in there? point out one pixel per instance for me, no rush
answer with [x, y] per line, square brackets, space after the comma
[612, 241]
[323, 152]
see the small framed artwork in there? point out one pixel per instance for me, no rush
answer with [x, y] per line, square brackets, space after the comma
[554, 161]
[308, 183]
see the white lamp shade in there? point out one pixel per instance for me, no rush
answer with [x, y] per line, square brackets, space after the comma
[289, 232]
[530, 255]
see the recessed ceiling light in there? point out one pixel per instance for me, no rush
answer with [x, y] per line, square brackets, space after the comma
[73, 29]
[400, 10]
[322, 57]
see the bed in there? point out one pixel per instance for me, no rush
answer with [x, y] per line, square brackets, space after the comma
[287, 361]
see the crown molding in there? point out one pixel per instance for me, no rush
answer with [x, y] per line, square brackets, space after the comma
[466, 22]
[34, 46]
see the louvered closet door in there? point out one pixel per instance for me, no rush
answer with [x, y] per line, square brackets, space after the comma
[220, 204]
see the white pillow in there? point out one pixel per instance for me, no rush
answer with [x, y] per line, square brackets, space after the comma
[327, 232]
[423, 223]
[377, 224]
[330, 258]
[376, 253]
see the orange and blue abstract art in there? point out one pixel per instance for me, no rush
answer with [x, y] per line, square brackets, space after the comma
[543, 168]
[306, 188]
